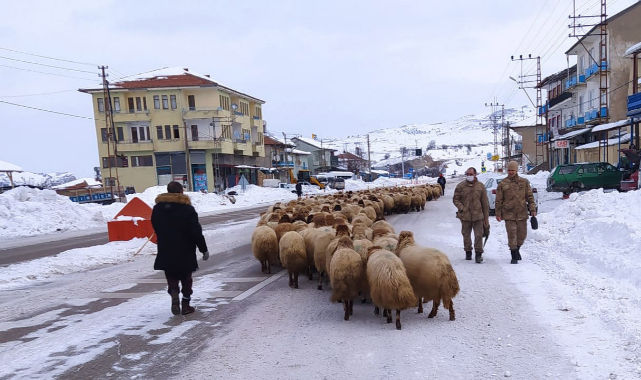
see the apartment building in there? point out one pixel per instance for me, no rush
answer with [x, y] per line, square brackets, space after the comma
[173, 124]
[322, 157]
[284, 157]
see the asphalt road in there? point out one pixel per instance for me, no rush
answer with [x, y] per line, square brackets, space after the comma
[50, 248]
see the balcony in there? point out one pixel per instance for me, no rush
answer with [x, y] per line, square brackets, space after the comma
[257, 122]
[128, 117]
[283, 164]
[595, 116]
[574, 82]
[223, 145]
[594, 69]
[135, 145]
[559, 99]
[634, 105]
[243, 146]
[258, 149]
[543, 110]
[200, 113]
[571, 122]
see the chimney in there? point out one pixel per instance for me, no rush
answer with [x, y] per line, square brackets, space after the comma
[186, 69]
[207, 75]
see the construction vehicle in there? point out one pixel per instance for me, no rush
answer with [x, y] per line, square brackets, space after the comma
[304, 176]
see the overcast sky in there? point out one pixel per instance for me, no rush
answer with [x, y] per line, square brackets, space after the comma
[333, 68]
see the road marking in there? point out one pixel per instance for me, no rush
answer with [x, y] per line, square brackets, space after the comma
[151, 281]
[258, 287]
[119, 295]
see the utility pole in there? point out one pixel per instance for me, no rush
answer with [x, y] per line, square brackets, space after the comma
[187, 159]
[369, 159]
[542, 129]
[495, 126]
[111, 136]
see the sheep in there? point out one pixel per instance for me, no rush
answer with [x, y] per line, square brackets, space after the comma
[361, 246]
[370, 212]
[311, 236]
[320, 248]
[283, 228]
[362, 219]
[383, 224]
[383, 238]
[346, 275]
[389, 286]
[430, 273]
[359, 231]
[292, 255]
[265, 247]
[341, 230]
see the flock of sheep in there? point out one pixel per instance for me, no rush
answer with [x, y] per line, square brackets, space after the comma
[345, 237]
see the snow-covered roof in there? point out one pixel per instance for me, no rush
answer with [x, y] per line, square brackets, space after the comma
[632, 49]
[301, 152]
[89, 182]
[569, 135]
[380, 171]
[613, 141]
[312, 142]
[9, 167]
[164, 73]
[529, 122]
[608, 126]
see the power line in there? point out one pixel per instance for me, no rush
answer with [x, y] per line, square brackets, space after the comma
[43, 56]
[42, 64]
[45, 110]
[42, 93]
[44, 72]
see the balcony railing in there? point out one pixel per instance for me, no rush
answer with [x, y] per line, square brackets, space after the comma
[200, 113]
[634, 104]
[594, 69]
[554, 101]
[125, 116]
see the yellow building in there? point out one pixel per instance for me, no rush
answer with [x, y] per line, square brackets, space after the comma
[174, 124]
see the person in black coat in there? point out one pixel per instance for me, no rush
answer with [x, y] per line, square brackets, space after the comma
[441, 181]
[299, 189]
[179, 233]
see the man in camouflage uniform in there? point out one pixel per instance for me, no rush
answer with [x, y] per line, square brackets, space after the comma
[470, 199]
[513, 199]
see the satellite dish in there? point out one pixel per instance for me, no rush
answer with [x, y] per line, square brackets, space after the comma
[234, 106]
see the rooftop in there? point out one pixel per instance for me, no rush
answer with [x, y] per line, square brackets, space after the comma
[613, 141]
[9, 167]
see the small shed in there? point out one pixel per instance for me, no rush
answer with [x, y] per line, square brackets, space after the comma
[9, 169]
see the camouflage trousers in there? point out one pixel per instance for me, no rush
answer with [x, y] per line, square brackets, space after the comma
[516, 232]
[466, 230]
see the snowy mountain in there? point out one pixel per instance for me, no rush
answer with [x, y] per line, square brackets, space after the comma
[42, 180]
[446, 141]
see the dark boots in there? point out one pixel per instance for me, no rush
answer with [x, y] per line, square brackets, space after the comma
[518, 252]
[515, 256]
[186, 308]
[468, 255]
[175, 302]
[478, 257]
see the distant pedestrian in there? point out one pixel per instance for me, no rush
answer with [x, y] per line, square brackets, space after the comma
[299, 189]
[513, 199]
[473, 209]
[441, 181]
[175, 222]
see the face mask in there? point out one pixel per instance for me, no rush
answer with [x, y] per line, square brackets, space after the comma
[469, 178]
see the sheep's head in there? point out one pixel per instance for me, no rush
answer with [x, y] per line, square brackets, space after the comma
[337, 208]
[342, 230]
[325, 208]
[345, 242]
[379, 231]
[275, 217]
[284, 219]
[319, 220]
[406, 238]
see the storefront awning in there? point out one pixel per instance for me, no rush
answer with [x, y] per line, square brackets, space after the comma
[610, 126]
[611, 142]
[572, 134]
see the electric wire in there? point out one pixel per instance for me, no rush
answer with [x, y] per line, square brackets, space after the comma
[44, 56]
[50, 111]
[43, 64]
[38, 94]
[47, 73]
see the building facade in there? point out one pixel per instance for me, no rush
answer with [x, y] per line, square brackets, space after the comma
[322, 158]
[175, 125]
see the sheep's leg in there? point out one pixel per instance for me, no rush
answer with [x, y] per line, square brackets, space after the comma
[452, 314]
[389, 315]
[268, 266]
[320, 280]
[309, 268]
[262, 266]
[346, 309]
[295, 280]
[435, 304]
[420, 305]
[384, 313]
[377, 311]
[398, 319]
[291, 280]
[351, 307]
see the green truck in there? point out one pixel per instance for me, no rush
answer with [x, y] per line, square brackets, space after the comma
[584, 176]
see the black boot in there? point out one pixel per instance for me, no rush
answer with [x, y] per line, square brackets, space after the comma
[518, 252]
[478, 257]
[186, 308]
[515, 255]
[468, 255]
[175, 302]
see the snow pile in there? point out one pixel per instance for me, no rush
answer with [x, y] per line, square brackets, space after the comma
[26, 212]
[41, 180]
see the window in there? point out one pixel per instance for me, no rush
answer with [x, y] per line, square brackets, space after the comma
[224, 102]
[591, 99]
[159, 132]
[117, 104]
[168, 132]
[194, 133]
[110, 181]
[244, 108]
[104, 134]
[567, 169]
[258, 113]
[101, 105]
[113, 160]
[165, 102]
[137, 161]
[156, 102]
[144, 103]
[172, 98]
[130, 104]
[582, 65]
[176, 132]
[191, 100]
[581, 105]
[140, 134]
[138, 103]
[120, 132]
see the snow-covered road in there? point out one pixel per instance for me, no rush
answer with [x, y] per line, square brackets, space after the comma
[536, 320]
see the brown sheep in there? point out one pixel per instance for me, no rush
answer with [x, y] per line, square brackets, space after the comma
[265, 247]
[292, 255]
[346, 275]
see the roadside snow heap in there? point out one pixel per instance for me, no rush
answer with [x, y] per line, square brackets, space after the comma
[344, 236]
[25, 212]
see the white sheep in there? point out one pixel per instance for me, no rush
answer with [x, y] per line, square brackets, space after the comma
[265, 247]
[430, 273]
[292, 255]
[346, 275]
[389, 286]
